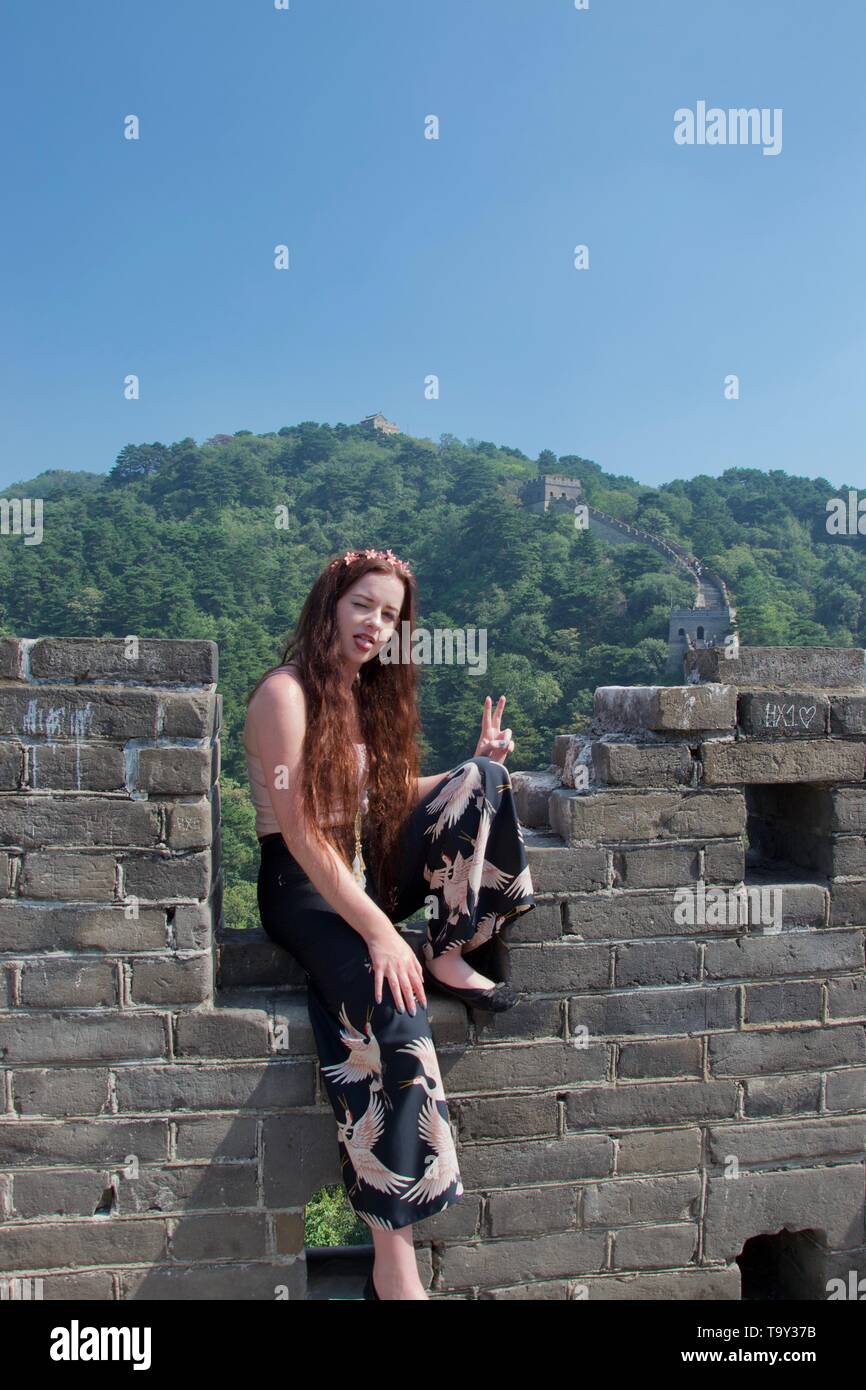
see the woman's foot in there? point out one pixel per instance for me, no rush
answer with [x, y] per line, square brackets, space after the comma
[452, 969]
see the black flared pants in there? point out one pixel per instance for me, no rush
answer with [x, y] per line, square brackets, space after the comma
[463, 861]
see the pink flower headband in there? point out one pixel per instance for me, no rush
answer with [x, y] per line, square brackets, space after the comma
[400, 565]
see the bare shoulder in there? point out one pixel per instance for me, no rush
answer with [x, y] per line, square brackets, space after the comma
[280, 692]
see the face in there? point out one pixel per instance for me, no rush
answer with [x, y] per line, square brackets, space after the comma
[367, 615]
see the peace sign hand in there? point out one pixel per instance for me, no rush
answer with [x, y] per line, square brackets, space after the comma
[494, 743]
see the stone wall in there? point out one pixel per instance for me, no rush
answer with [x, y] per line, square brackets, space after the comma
[666, 1089]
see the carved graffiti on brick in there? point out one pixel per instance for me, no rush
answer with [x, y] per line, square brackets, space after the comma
[57, 721]
[788, 716]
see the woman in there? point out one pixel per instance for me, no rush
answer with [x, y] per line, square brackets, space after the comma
[353, 844]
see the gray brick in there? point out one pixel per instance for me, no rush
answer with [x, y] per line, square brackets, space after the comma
[93, 1241]
[664, 708]
[174, 771]
[90, 767]
[547, 1257]
[212, 1086]
[638, 1104]
[44, 927]
[619, 817]
[724, 861]
[782, 1095]
[777, 760]
[848, 904]
[556, 868]
[61, 1091]
[847, 714]
[795, 668]
[104, 1142]
[783, 953]
[656, 866]
[659, 1151]
[655, 1247]
[846, 998]
[83, 1037]
[658, 1011]
[558, 967]
[624, 1201]
[651, 765]
[807, 1140]
[189, 824]
[506, 1117]
[165, 876]
[783, 1003]
[826, 1199]
[75, 712]
[34, 820]
[171, 980]
[674, 1057]
[158, 660]
[783, 713]
[846, 1089]
[263, 1281]
[657, 963]
[223, 1033]
[536, 1161]
[514, 1066]
[64, 983]
[234, 1235]
[532, 1210]
[85, 877]
[12, 762]
[793, 1049]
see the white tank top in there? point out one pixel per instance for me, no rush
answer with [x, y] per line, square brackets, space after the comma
[266, 821]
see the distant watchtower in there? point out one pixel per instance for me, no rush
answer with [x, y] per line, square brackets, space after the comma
[378, 422]
[551, 492]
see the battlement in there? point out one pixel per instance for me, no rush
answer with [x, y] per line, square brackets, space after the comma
[683, 1075]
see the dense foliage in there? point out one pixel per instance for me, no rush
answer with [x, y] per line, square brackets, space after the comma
[223, 540]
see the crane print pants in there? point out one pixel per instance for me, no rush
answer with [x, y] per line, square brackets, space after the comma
[463, 862]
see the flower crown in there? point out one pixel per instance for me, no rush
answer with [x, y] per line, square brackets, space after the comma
[401, 566]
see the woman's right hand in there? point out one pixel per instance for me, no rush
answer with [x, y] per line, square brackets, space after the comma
[394, 960]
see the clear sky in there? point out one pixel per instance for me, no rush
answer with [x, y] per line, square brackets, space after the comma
[453, 257]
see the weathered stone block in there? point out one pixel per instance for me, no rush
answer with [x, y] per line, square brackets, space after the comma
[783, 714]
[652, 765]
[174, 771]
[91, 767]
[656, 866]
[531, 792]
[847, 714]
[622, 816]
[665, 708]
[797, 668]
[152, 660]
[793, 760]
[827, 1198]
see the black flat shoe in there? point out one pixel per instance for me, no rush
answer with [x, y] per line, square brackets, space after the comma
[370, 1288]
[496, 1000]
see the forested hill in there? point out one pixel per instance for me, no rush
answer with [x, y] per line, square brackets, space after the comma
[223, 540]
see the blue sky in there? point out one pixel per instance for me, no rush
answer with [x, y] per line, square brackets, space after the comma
[453, 257]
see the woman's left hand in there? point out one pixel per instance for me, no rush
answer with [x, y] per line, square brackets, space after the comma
[494, 743]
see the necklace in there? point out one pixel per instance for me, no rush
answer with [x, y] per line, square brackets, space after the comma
[358, 865]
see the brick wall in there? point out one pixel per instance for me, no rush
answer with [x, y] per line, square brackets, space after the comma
[668, 1087]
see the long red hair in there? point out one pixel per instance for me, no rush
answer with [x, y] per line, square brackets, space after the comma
[390, 725]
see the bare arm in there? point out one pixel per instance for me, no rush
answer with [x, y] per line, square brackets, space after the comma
[425, 785]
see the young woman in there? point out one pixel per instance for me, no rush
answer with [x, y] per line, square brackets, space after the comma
[353, 841]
